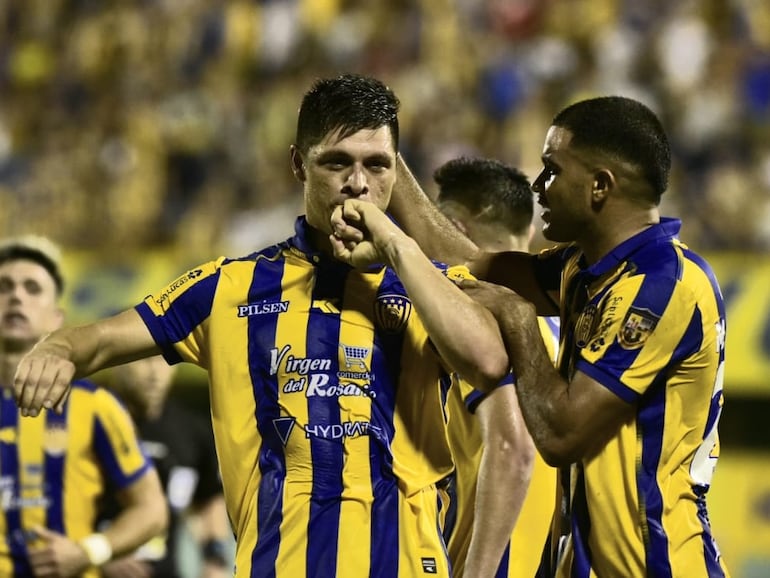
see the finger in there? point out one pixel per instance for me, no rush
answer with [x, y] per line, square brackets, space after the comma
[25, 384]
[350, 210]
[59, 407]
[58, 389]
[465, 283]
[339, 249]
[44, 533]
[337, 220]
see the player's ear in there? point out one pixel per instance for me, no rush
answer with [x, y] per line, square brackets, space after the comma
[297, 164]
[604, 182]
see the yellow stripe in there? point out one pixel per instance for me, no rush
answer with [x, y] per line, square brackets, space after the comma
[31, 472]
[232, 411]
[292, 330]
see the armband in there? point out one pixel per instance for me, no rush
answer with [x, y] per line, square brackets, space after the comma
[214, 552]
[98, 549]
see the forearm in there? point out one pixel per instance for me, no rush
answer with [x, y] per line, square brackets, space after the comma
[503, 481]
[214, 537]
[474, 349]
[101, 344]
[420, 218]
[144, 516]
[542, 393]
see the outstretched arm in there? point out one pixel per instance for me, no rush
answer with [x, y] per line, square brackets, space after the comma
[463, 331]
[44, 375]
[503, 479]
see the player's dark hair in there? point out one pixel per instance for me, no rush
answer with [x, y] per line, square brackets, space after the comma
[491, 191]
[347, 103]
[624, 128]
[21, 252]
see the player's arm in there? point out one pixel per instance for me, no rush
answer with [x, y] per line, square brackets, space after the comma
[463, 331]
[439, 239]
[567, 420]
[45, 373]
[143, 514]
[419, 217]
[213, 537]
[503, 479]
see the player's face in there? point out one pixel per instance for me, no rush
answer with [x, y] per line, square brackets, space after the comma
[563, 189]
[362, 166]
[145, 382]
[28, 304]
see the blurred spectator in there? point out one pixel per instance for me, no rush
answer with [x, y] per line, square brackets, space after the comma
[181, 445]
[131, 124]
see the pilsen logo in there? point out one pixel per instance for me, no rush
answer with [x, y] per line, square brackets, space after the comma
[391, 312]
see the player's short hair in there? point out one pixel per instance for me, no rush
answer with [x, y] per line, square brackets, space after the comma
[624, 128]
[347, 103]
[489, 189]
[37, 249]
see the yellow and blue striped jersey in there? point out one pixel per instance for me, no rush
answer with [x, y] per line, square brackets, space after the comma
[327, 409]
[648, 322]
[54, 467]
[524, 551]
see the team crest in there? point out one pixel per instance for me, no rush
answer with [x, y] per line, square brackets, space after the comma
[55, 439]
[637, 327]
[585, 326]
[391, 312]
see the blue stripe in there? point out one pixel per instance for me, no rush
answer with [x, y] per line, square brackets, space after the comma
[385, 528]
[610, 381]
[651, 428]
[505, 561]
[710, 551]
[9, 470]
[328, 454]
[266, 282]
[387, 367]
[554, 324]
[156, 329]
[181, 316]
[54, 476]
[581, 529]
[105, 453]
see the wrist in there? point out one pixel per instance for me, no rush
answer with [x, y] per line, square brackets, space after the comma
[97, 548]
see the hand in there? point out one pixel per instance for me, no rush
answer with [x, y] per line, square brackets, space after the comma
[362, 234]
[501, 301]
[43, 380]
[126, 567]
[56, 556]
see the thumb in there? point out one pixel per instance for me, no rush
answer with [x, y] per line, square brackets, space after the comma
[44, 533]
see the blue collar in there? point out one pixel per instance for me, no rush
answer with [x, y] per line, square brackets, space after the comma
[667, 228]
[303, 243]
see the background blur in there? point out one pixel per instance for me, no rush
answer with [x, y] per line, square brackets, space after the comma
[149, 135]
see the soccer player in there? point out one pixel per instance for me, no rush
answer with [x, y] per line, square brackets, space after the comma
[496, 465]
[632, 412]
[54, 468]
[325, 361]
[181, 445]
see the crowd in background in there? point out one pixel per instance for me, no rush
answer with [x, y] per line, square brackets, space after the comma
[137, 123]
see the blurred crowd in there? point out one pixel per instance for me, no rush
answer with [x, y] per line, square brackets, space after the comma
[138, 123]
